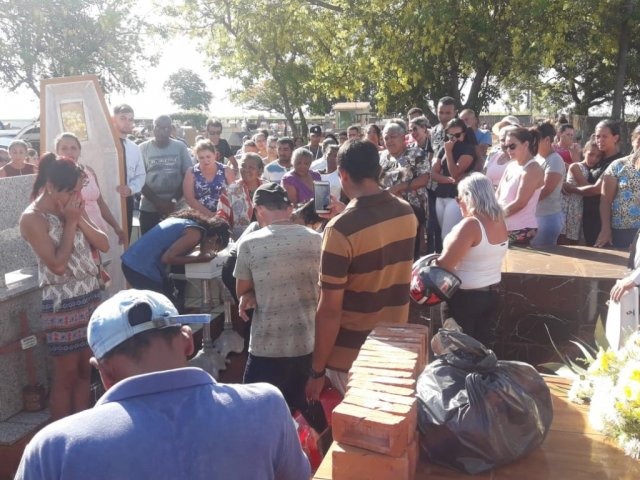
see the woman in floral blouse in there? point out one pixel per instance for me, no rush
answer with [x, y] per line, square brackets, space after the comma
[236, 201]
[620, 202]
[204, 182]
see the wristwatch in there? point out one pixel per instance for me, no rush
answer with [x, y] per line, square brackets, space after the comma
[315, 375]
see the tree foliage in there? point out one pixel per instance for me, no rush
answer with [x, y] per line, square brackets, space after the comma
[194, 118]
[576, 58]
[291, 54]
[55, 38]
[188, 91]
[414, 52]
[269, 47]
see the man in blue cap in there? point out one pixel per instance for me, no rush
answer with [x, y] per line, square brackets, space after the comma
[159, 418]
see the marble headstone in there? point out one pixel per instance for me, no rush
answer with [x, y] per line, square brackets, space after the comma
[19, 292]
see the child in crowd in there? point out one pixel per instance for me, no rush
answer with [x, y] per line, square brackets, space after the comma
[18, 161]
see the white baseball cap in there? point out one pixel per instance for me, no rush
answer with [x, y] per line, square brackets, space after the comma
[130, 312]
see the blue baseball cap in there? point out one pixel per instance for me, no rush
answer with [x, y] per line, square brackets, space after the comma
[130, 312]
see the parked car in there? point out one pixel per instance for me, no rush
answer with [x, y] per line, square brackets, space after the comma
[29, 134]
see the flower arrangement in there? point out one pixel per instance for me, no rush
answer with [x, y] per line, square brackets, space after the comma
[609, 381]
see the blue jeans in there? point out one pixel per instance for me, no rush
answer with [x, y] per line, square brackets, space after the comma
[142, 282]
[549, 228]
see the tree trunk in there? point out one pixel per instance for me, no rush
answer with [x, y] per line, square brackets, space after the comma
[303, 125]
[291, 121]
[476, 87]
[623, 50]
[288, 109]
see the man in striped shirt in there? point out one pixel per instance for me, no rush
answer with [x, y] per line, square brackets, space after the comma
[365, 267]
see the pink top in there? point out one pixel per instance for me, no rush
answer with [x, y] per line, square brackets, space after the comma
[493, 169]
[525, 218]
[90, 194]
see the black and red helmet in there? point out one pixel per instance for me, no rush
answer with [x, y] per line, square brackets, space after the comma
[430, 284]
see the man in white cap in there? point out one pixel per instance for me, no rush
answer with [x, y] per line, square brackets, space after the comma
[159, 418]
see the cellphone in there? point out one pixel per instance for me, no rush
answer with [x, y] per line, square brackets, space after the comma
[321, 196]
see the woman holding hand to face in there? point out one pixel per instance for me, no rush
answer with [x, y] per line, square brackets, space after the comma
[454, 161]
[60, 233]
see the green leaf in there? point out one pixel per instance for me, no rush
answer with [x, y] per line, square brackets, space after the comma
[588, 357]
[600, 335]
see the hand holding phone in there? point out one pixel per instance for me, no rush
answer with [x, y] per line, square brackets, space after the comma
[321, 196]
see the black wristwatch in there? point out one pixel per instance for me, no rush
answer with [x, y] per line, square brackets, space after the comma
[315, 375]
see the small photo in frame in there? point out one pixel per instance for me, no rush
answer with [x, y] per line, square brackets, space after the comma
[74, 120]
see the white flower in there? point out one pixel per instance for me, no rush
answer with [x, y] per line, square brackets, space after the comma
[602, 414]
[630, 445]
[581, 391]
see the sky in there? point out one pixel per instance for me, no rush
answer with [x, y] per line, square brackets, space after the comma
[153, 100]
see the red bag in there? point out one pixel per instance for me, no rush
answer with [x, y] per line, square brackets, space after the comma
[308, 440]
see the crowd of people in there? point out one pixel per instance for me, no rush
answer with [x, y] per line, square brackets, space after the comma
[312, 286]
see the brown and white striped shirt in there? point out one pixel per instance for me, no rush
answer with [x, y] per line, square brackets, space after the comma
[368, 252]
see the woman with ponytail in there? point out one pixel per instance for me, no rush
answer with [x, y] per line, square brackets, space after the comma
[61, 235]
[520, 186]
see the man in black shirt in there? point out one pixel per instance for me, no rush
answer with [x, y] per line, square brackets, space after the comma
[214, 133]
[315, 139]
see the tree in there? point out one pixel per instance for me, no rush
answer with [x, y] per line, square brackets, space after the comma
[292, 54]
[71, 37]
[268, 47]
[585, 60]
[412, 53]
[188, 91]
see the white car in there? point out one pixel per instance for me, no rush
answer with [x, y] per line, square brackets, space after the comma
[29, 134]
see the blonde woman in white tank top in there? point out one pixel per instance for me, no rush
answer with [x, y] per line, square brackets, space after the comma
[474, 251]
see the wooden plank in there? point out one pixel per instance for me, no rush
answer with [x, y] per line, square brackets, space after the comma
[572, 450]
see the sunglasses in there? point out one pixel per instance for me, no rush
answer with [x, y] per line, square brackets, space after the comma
[214, 133]
[511, 146]
[451, 136]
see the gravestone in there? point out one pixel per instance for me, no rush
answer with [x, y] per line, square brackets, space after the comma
[19, 297]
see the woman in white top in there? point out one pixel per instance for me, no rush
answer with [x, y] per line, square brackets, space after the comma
[474, 251]
[498, 159]
[520, 186]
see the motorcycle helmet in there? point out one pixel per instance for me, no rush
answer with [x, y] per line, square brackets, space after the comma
[430, 284]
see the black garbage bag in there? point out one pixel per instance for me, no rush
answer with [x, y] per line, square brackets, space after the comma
[476, 412]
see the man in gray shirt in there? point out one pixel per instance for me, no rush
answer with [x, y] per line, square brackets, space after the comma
[277, 274]
[166, 161]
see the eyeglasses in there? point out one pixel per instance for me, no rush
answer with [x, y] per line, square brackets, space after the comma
[451, 136]
[512, 146]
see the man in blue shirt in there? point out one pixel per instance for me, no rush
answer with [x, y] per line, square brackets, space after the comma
[159, 418]
[483, 137]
